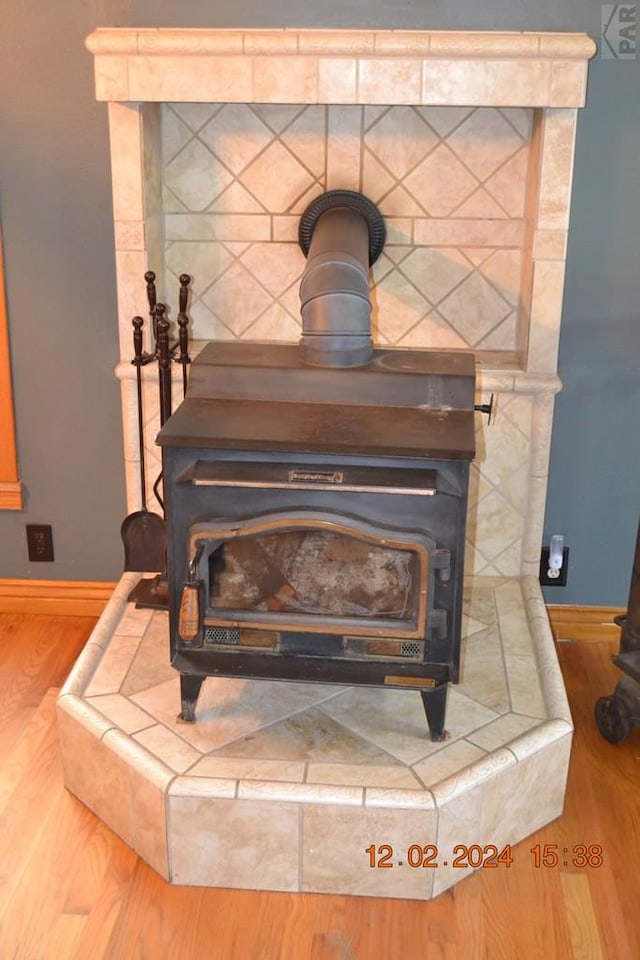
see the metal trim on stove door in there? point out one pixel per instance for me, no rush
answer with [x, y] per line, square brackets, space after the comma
[214, 533]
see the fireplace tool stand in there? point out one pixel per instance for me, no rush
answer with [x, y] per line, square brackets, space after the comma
[617, 714]
[154, 593]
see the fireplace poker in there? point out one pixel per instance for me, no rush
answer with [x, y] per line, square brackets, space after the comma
[143, 532]
[183, 329]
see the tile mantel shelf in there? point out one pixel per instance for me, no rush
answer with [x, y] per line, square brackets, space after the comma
[342, 66]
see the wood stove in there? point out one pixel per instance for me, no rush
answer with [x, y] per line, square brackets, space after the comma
[316, 495]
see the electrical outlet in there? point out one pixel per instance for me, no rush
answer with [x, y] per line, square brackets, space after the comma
[561, 579]
[40, 542]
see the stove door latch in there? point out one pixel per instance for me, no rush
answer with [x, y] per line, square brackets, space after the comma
[441, 561]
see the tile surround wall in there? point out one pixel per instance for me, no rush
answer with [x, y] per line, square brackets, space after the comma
[219, 139]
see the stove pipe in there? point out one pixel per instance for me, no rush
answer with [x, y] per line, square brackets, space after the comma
[341, 233]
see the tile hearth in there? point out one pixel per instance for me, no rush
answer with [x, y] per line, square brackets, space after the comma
[283, 786]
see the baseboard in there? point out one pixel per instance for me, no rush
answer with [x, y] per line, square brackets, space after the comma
[87, 598]
[69, 598]
[570, 622]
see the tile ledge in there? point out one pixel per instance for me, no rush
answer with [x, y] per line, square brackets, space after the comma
[376, 43]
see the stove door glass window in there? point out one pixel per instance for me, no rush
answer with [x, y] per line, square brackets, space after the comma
[315, 575]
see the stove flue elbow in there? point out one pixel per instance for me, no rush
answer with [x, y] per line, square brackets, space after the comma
[341, 233]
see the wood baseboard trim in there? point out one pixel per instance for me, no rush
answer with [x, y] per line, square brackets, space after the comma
[10, 495]
[570, 622]
[70, 598]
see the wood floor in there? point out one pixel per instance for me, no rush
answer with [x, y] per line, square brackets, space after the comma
[71, 890]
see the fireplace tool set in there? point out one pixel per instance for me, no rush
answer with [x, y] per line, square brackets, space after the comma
[144, 532]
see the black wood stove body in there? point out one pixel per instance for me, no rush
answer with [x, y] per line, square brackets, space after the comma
[316, 519]
[316, 495]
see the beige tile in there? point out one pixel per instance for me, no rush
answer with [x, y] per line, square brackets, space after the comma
[134, 621]
[570, 45]
[524, 688]
[508, 185]
[169, 748]
[335, 841]
[361, 774]
[277, 178]
[270, 41]
[113, 668]
[388, 80]
[526, 796]
[307, 793]
[275, 324]
[249, 768]
[95, 774]
[305, 138]
[399, 798]
[111, 78]
[129, 235]
[298, 83]
[482, 672]
[498, 525]
[126, 140]
[222, 226]
[343, 147]
[546, 315]
[501, 83]
[234, 843]
[285, 228]
[196, 787]
[308, 735]
[459, 824]
[568, 83]
[539, 737]
[120, 711]
[230, 709]
[106, 41]
[147, 782]
[196, 79]
[556, 169]
[489, 233]
[550, 245]
[83, 670]
[402, 42]
[486, 44]
[491, 767]
[336, 80]
[341, 42]
[130, 267]
[447, 761]
[502, 731]
[512, 618]
[277, 266]
[395, 719]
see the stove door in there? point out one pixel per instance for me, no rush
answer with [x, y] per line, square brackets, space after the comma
[312, 572]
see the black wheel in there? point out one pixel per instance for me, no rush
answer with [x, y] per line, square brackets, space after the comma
[612, 719]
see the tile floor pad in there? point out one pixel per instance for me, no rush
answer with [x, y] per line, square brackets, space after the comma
[314, 787]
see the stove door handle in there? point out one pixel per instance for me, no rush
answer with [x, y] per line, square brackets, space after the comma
[190, 616]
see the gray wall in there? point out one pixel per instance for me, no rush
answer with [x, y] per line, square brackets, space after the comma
[55, 206]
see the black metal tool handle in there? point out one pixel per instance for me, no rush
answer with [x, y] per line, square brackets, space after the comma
[183, 328]
[150, 280]
[164, 363]
[138, 361]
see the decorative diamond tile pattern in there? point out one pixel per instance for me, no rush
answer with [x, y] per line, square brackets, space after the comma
[238, 176]
[240, 172]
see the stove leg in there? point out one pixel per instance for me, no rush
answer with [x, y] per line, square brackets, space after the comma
[435, 701]
[189, 689]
